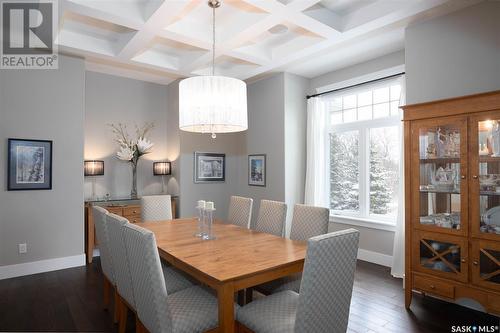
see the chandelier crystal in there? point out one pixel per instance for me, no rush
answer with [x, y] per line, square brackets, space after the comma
[213, 104]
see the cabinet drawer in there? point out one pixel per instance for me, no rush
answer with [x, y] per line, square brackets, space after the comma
[132, 210]
[433, 286]
[133, 218]
[115, 210]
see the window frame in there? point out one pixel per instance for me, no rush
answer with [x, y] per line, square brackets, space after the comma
[364, 218]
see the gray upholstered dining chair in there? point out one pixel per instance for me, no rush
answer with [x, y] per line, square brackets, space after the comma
[240, 211]
[101, 228]
[272, 217]
[122, 272]
[176, 280]
[307, 222]
[156, 208]
[325, 296]
[194, 309]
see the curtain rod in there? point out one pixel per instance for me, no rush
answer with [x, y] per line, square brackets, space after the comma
[355, 85]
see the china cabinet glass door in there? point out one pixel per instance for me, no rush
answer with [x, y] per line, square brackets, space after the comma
[485, 180]
[441, 255]
[486, 264]
[439, 182]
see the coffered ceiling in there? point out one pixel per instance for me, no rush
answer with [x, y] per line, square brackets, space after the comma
[162, 40]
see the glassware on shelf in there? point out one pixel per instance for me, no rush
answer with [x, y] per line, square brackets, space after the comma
[201, 217]
[489, 176]
[442, 220]
[443, 179]
[440, 142]
[490, 221]
[209, 220]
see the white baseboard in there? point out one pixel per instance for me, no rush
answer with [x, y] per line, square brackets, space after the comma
[28, 268]
[375, 257]
[96, 253]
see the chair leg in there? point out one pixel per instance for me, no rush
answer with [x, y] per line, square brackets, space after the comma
[139, 327]
[122, 316]
[106, 292]
[249, 295]
[116, 313]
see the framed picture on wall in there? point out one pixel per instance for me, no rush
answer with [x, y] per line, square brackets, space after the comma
[209, 167]
[29, 165]
[257, 170]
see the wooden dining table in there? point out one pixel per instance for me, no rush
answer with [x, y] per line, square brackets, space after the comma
[237, 259]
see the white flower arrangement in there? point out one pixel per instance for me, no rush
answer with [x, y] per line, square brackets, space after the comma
[132, 150]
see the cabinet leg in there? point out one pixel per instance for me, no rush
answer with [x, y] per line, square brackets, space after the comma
[408, 295]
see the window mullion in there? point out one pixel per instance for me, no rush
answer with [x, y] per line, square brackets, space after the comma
[363, 171]
[367, 172]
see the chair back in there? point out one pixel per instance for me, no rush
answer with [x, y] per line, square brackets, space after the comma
[100, 216]
[309, 221]
[119, 256]
[272, 217]
[147, 279]
[327, 281]
[156, 208]
[240, 211]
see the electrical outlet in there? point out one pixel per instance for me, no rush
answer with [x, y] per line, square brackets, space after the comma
[23, 248]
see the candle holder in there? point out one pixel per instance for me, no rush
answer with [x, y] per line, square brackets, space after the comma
[209, 220]
[201, 218]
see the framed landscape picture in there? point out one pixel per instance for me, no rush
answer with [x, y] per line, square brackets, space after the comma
[209, 167]
[257, 170]
[29, 165]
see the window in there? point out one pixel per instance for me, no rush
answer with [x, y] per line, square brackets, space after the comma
[365, 152]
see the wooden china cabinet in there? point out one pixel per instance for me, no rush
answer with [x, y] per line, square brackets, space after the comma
[452, 185]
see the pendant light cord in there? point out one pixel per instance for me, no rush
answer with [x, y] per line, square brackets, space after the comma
[213, 41]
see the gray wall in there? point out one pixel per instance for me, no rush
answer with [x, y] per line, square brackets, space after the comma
[47, 105]
[375, 240]
[266, 135]
[368, 67]
[110, 99]
[296, 88]
[454, 55]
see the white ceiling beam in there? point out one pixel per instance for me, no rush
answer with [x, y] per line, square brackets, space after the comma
[162, 17]
[136, 74]
[371, 26]
[301, 5]
[108, 58]
[80, 9]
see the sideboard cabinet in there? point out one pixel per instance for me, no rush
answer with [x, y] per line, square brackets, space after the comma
[128, 208]
[452, 197]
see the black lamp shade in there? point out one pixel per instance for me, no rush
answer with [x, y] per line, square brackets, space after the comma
[162, 168]
[93, 168]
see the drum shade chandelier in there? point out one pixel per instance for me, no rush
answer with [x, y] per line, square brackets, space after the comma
[213, 104]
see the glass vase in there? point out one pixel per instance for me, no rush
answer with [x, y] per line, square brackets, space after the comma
[133, 191]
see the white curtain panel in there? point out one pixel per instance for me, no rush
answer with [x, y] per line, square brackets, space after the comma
[398, 254]
[318, 158]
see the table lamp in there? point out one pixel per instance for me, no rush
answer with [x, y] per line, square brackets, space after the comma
[92, 168]
[162, 169]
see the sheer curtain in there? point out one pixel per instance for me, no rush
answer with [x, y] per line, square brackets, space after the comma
[318, 158]
[398, 254]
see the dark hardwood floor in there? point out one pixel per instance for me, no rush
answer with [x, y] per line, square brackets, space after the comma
[71, 300]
